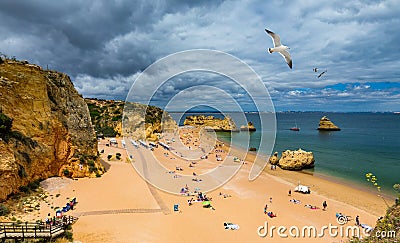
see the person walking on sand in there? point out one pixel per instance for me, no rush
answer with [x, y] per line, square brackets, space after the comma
[265, 208]
[270, 199]
[324, 205]
[290, 193]
[357, 220]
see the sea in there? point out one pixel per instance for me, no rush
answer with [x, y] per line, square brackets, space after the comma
[367, 143]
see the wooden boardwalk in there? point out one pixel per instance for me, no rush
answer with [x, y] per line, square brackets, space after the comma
[13, 230]
[119, 211]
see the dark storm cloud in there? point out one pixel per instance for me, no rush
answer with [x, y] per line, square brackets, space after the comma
[105, 45]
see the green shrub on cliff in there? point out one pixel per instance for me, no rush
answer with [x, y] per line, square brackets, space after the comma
[5, 124]
[4, 210]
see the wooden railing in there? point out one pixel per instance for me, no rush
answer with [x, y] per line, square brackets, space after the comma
[14, 230]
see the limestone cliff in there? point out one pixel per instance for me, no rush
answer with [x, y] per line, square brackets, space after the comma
[51, 131]
[146, 122]
[293, 160]
[326, 125]
[218, 124]
[107, 119]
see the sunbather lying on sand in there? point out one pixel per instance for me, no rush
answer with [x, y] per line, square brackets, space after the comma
[311, 206]
[271, 214]
[294, 201]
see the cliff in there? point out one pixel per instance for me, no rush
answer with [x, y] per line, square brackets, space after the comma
[107, 117]
[48, 130]
[293, 160]
[218, 124]
[150, 126]
[326, 125]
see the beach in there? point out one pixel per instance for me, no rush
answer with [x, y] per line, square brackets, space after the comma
[121, 206]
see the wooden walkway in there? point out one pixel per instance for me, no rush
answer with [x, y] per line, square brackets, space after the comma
[119, 211]
[13, 230]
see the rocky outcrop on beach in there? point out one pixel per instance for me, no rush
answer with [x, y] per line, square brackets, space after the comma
[250, 127]
[217, 124]
[146, 122]
[293, 160]
[141, 121]
[326, 125]
[274, 160]
[45, 126]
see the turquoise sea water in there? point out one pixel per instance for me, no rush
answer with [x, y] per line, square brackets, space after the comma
[368, 142]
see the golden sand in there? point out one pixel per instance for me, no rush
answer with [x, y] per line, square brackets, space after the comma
[121, 207]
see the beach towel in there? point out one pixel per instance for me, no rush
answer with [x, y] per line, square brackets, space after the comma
[231, 226]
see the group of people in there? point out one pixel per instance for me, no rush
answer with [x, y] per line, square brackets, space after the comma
[58, 218]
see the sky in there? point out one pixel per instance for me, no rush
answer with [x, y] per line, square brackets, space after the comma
[104, 46]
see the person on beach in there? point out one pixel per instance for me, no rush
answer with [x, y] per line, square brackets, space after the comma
[48, 220]
[290, 193]
[265, 208]
[324, 205]
[270, 199]
[357, 220]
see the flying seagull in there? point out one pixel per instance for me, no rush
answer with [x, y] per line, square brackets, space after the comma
[315, 70]
[278, 47]
[322, 73]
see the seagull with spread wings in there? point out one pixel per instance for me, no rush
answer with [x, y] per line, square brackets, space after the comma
[322, 73]
[278, 47]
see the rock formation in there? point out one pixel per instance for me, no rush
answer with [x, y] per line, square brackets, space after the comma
[146, 122]
[274, 160]
[293, 160]
[107, 119]
[217, 124]
[326, 125]
[51, 132]
[250, 127]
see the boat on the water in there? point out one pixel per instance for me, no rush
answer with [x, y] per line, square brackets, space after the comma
[295, 128]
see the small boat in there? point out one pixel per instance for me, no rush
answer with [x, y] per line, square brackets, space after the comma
[295, 128]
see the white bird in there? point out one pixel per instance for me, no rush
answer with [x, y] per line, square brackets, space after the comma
[278, 47]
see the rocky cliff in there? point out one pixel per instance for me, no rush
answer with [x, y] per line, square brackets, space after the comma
[293, 160]
[326, 125]
[50, 133]
[218, 124]
[107, 119]
[146, 122]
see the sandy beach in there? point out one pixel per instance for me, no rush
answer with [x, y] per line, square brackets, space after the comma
[122, 207]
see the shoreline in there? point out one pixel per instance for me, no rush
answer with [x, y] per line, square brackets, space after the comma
[339, 180]
[121, 207]
[312, 178]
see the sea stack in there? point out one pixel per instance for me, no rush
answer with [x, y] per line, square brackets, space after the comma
[326, 125]
[296, 160]
[250, 127]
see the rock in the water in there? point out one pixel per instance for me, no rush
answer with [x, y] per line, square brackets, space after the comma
[250, 127]
[296, 160]
[219, 125]
[274, 160]
[326, 125]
